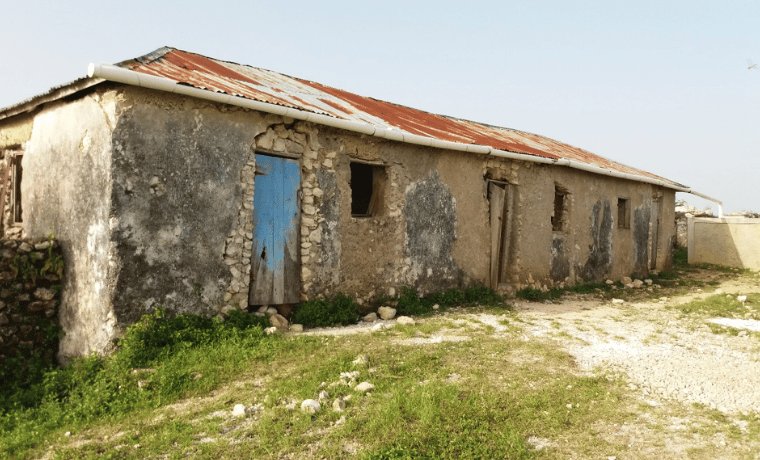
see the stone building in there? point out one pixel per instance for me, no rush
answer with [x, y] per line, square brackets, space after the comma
[178, 180]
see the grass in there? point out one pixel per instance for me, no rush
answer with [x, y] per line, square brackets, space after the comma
[443, 400]
[168, 393]
[723, 305]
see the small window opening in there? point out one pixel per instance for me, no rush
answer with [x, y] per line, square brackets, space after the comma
[624, 213]
[367, 189]
[15, 201]
[560, 209]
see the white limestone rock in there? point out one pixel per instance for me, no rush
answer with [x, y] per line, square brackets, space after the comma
[364, 387]
[370, 318]
[310, 406]
[238, 410]
[386, 313]
[339, 405]
[405, 320]
[279, 322]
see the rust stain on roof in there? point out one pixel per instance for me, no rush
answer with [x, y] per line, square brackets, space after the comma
[275, 88]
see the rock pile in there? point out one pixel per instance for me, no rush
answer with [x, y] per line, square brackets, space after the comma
[323, 398]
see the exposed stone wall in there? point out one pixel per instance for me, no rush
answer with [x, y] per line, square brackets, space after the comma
[237, 251]
[291, 139]
[30, 291]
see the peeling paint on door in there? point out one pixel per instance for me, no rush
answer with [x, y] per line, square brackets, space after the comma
[275, 272]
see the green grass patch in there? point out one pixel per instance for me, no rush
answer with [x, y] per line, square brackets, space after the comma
[186, 354]
[410, 303]
[722, 305]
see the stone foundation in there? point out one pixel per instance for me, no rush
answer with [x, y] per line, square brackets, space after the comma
[30, 291]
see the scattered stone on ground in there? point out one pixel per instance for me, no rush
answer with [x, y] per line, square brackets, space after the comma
[364, 387]
[370, 318]
[339, 405]
[238, 410]
[361, 359]
[386, 313]
[310, 406]
[405, 320]
[279, 322]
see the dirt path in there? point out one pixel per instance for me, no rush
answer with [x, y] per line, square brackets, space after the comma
[675, 365]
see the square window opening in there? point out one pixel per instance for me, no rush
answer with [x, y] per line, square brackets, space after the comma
[624, 213]
[559, 217]
[367, 189]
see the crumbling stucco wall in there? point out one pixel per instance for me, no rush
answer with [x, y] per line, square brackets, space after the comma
[420, 236]
[182, 169]
[66, 190]
[592, 244]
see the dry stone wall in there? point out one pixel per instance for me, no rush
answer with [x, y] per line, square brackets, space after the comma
[30, 288]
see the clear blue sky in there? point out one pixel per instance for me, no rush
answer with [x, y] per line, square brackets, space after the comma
[660, 85]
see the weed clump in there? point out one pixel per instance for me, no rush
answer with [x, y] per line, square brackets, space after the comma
[341, 309]
[537, 295]
[410, 303]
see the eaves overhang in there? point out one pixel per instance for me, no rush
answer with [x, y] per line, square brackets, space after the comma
[179, 72]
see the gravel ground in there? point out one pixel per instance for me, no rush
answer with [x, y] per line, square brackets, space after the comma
[665, 356]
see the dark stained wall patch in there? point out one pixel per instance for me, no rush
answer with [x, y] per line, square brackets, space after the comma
[431, 230]
[560, 263]
[641, 217]
[599, 262]
[327, 277]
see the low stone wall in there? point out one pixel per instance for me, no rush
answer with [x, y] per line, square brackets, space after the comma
[30, 291]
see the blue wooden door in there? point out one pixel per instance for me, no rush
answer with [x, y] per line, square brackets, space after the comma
[275, 271]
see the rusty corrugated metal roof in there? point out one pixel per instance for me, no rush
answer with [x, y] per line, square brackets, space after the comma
[275, 88]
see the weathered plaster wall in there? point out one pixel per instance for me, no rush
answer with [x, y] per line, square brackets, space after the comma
[66, 190]
[420, 237]
[434, 231]
[182, 201]
[16, 131]
[591, 245]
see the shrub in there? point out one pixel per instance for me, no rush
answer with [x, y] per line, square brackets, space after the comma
[537, 295]
[409, 303]
[341, 309]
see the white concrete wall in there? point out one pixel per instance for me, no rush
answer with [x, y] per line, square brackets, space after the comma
[730, 241]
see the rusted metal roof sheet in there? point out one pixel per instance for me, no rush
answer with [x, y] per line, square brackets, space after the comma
[275, 88]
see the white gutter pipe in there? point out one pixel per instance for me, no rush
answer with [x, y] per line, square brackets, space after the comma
[121, 75]
[719, 203]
